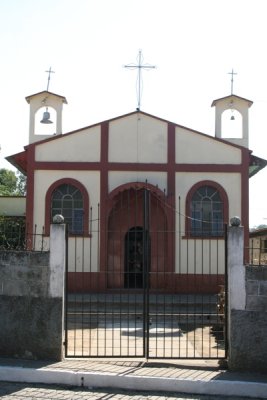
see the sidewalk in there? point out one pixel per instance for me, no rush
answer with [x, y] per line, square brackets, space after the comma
[195, 377]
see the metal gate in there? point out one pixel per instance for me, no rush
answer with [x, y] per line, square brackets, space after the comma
[140, 286]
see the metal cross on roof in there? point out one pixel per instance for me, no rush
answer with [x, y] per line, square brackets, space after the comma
[48, 80]
[232, 79]
[139, 67]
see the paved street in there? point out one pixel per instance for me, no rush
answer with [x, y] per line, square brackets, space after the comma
[22, 391]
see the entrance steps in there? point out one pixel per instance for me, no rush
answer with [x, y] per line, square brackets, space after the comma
[184, 308]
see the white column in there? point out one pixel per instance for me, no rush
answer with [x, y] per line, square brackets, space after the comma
[57, 259]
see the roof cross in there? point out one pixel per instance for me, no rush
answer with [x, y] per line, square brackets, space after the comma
[139, 67]
[48, 80]
[232, 79]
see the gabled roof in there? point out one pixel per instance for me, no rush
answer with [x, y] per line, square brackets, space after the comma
[231, 96]
[28, 98]
[56, 137]
[19, 160]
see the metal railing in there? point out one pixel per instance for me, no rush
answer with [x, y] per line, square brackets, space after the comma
[257, 255]
[16, 235]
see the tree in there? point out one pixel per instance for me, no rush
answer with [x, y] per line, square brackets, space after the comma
[11, 183]
[21, 184]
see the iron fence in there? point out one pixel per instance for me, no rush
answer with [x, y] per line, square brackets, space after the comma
[257, 253]
[143, 288]
[16, 235]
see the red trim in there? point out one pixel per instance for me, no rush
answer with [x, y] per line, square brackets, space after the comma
[103, 195]
[129, 214]
[78, 185]
[136, 186]
[56, 137]
[85, 166]
[30, 193]
[245, 201]
[171, 186]
[26, 161]
[191, 192]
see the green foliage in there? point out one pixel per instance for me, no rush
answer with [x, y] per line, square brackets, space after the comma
[11, 183]
[21, 184]
[8, 182]
[12, 233]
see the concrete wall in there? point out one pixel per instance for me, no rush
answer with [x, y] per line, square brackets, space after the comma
[31, 301]
[32, 307]
[247, 309]
[12, 206]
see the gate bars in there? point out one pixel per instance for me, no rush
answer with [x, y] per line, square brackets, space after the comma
[137, 304]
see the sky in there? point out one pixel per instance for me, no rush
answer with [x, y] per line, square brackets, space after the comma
[194, 44]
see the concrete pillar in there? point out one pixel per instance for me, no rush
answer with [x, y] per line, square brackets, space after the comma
[236, 288]
[56, 284]
[57, 258]
[236, 269]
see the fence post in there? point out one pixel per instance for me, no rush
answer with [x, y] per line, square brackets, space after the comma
[236, 269]
[56, 288]
[57, 257]
[236, 285]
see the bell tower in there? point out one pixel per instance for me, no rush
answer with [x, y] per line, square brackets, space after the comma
[234, 104]
[45, 101]
[232, 107]
[41, 104]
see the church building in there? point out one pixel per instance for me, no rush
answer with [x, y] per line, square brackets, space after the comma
[139, 189]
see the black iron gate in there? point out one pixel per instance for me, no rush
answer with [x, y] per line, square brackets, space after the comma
[150, 291]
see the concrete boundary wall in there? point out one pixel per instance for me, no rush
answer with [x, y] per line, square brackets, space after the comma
[32, 304]
[31, 301]
[247, 309]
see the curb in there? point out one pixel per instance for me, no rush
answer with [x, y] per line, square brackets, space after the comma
[133, 382]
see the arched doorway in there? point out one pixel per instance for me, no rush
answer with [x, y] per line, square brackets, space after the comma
[138, 238]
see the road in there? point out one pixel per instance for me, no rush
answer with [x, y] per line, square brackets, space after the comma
[23, 391]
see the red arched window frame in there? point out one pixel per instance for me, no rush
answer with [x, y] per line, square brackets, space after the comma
[189, 197]
[48, 198]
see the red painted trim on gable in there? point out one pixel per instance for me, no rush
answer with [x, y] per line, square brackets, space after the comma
[193, 189]
[94, 166]
[78, 185]
[67, 165]
[19, 161]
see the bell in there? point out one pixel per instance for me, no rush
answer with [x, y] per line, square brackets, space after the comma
[46, 119]
[232, 118]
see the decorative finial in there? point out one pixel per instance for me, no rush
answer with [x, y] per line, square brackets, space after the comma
[58, 219]
[235, 221]
[139, 66]
[48, 80]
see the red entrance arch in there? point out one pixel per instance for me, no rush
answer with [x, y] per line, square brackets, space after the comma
[125, 213]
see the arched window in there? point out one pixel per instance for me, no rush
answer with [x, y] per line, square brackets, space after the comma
[206, 212]
[67, 200]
